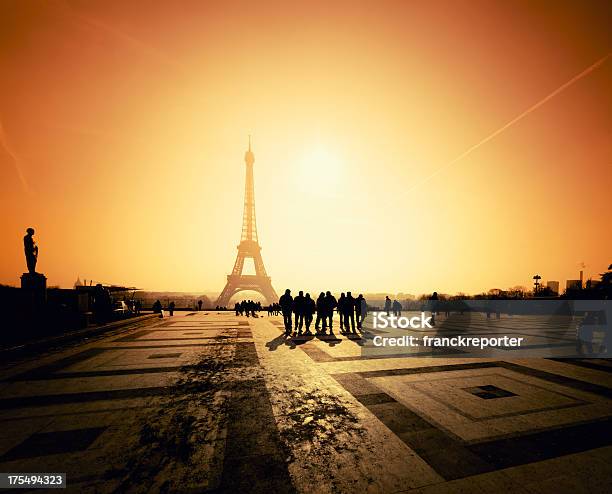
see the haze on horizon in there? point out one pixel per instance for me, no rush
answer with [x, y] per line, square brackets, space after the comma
[123, 127]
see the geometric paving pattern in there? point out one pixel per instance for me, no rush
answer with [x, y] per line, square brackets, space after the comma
[215, 402]
[447, 439]
[467, 419]
[105, 383]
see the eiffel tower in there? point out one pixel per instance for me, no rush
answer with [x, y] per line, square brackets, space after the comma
[248, 248]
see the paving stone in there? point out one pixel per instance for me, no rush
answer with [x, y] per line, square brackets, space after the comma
[375, 399]
[489, 391]
[398, 418]
[164, 355]
[356, 385]
[256, 474]
[50, 443]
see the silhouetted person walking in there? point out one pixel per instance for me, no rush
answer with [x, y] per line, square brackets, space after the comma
[349, 312]
[341, 302]
[321, 312]
[298, 310]
[171, 307]
[157, 308]
[309, 310]
[361, 309]
[433, 301]
[397, 308]
[388, 305]
[199, 305]
[102, 305]
[330, 305]
[286, 304]
[31, 250]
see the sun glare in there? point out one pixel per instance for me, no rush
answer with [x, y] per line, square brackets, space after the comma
[320, 164]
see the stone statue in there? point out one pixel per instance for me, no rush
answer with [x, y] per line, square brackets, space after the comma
[31, 250]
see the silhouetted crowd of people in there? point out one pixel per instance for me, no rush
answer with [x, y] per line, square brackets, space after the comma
[303, 308]
[247, 307]
[274, 309]
[394, 307]
[158, 309]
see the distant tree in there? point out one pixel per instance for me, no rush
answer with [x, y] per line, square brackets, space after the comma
[545, 291]
[604, 287]
[517, 291]
[405, 296]
[606, 278]
[206, 302]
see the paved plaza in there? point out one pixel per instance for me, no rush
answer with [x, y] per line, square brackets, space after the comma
[208, 401]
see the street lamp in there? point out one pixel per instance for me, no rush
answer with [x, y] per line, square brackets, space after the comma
[536, 283]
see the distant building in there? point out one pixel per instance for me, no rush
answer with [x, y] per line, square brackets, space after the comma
[573, 285]
[78, 283]
[553, 286]
[591, 283]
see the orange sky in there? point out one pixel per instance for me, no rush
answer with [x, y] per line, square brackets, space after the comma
[123, 126]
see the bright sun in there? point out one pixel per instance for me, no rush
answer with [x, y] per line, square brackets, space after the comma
[322, 165]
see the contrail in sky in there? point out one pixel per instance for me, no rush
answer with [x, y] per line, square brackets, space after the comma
[98, 24]
[16, 161]
[94, 24]
[561, 88]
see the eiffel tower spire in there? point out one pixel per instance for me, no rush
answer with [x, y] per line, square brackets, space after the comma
[249, 221]
[248, 247]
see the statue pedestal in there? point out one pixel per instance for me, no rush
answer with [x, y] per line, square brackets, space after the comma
[34, 286]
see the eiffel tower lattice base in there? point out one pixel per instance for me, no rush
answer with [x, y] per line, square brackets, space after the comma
[237, 282]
